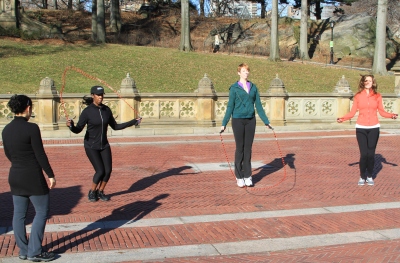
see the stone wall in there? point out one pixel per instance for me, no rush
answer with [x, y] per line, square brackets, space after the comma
[203, 108]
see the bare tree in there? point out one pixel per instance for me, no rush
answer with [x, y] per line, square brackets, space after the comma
[186, 44]
[94, 20]
[379, 64]
[274, 48]
[115, 16]
[100, 22]
[304, 30]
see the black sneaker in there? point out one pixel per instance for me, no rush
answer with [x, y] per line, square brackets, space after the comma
[102, 196]
[22, 257]
[44, 256]
[92, 196]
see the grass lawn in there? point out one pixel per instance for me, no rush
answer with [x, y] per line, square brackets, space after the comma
[157, 70]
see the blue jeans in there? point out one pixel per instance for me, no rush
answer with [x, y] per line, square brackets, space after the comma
[33, 247]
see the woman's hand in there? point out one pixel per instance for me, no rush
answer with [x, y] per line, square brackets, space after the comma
[69, 123]
[138, 120]
[339, 120]
[52, 183]
[394, 116]
[222, 129]
[269, 126]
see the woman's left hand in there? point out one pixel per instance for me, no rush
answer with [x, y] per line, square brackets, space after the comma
[52, 183]
[394, 116]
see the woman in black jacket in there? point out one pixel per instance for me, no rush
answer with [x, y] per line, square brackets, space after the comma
[24, 148]
[98, 117]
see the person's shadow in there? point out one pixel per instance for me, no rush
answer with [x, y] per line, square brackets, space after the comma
[134, 212]
[379, 160]
[152, 179]
[62, 201]
[273, 166]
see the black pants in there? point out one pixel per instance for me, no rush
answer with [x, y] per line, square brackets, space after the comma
[102, 163]
[243, 130]
[367, 140]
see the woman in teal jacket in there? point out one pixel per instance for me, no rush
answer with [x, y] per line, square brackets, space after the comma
[243, 96]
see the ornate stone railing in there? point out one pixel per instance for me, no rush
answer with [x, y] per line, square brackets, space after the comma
[202, 108]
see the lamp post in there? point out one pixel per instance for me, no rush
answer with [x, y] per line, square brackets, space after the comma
[331, 43]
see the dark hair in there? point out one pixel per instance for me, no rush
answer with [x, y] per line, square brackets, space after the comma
[87, 100]
[18, 103]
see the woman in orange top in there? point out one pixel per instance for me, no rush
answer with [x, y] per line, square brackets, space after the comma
[367, 102]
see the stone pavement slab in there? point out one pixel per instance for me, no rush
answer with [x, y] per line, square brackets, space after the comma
[164, 209]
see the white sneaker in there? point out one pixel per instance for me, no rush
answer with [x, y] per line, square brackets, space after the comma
[240, 182]
[248, 181]
[361, 181]
[370, 181]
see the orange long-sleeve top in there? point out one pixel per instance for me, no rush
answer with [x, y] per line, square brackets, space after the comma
[367, 105]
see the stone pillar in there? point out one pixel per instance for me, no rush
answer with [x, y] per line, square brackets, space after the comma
[205, 102]
[342, 88]
[396, 69]
[130, 99]
[8, 17]
[278, 95]
[47, 106]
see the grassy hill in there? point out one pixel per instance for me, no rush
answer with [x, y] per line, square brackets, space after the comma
[154, 69]
[155, 66]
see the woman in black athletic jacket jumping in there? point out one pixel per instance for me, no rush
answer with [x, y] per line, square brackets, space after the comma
[98, 117]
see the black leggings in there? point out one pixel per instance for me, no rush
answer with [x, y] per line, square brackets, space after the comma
[102, 163]
[367, 140]
[243, 130]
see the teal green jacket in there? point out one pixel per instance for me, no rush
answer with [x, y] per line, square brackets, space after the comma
[241, 104]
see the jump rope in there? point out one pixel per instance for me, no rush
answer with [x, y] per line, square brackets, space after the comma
[261, 188]
[78, 70]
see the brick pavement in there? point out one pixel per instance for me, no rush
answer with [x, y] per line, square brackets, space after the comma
[154, 179]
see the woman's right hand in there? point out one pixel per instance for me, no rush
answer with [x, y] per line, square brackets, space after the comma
[222, 129]
[339, 120]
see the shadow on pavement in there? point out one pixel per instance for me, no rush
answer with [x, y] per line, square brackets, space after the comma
[94, 230]
[152, 179]
[379, 161]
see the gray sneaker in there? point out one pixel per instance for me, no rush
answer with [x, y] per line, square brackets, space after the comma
[361, 181]
[370, 181]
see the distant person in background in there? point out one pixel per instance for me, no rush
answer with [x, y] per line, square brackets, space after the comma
[24, 148]
[367, 102]
[98, 117]
[216, 43]
[243, 96]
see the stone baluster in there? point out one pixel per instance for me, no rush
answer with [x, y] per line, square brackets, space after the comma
[47, 107]
[130, 98]
[205, 102]
[278, 95]
[396, 69]
[342, 88]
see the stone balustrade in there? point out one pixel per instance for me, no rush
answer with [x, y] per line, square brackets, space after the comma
[200, 109]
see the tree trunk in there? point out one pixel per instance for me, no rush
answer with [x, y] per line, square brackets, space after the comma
[69, 5]
[201, 3]
[186, 44]
[263, 9]
[379, 64]
[274, 48]
[304, 31]
[55, 5]
[94, 20]
[115, 16]
[44, 4]
[101, 22]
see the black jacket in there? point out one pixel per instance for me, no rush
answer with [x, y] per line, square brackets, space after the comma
[97, 120]
[23, 146]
